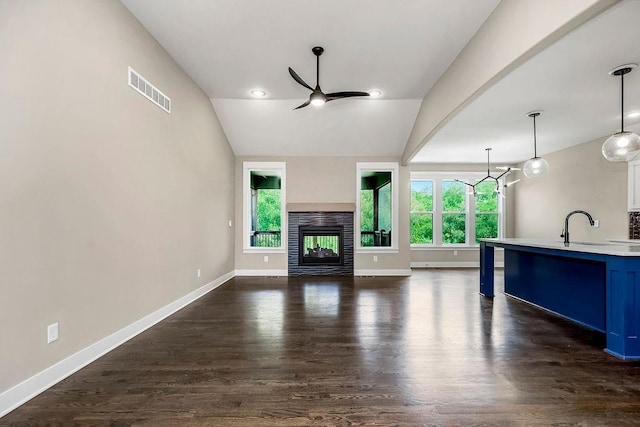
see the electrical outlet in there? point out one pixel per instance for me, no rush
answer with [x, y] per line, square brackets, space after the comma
[230, 223]
[198, 273]
[52, 333]
[596, 223]
[375, 258]
[455, 253]
[266, 258]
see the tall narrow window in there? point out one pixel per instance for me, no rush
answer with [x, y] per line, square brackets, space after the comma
[377, 205]
[421, 212]
[263, 206]
[486, 211]
[454, 212]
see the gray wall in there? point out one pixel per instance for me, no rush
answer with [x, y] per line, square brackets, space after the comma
[579, 178]
[109, 205]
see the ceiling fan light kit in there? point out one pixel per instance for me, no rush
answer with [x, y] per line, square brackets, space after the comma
[535, 167]
[622, 146]
[318, 97]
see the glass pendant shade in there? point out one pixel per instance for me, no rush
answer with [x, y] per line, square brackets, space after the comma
[536, 167]
[621, 147]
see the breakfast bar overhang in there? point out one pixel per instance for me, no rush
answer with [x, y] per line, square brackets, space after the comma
[596, 285]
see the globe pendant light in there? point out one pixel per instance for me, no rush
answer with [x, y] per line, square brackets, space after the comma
[536, 167]
[622, 146]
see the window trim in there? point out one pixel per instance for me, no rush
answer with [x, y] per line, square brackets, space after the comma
[247, 168]
[378, 167]
[437, 178]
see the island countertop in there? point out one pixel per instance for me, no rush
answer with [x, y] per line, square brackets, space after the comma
[604, 248]
[595, 284]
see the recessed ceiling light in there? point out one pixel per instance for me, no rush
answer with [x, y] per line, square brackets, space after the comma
[258, 93]
[375, 93]
[633, 114]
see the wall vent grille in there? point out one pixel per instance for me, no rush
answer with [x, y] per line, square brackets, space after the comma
[149, 91]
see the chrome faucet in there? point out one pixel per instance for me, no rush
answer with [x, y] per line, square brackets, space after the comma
[565, 232]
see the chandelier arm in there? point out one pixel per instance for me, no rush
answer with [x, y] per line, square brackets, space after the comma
[503, 174]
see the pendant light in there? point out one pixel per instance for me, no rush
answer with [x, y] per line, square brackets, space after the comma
[535, 167]
[622, 146]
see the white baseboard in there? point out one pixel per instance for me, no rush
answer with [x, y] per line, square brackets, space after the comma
[31, 387]
[451, 264]
[261, 273]
[390, 272]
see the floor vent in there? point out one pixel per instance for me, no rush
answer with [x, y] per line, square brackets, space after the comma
[142, 86]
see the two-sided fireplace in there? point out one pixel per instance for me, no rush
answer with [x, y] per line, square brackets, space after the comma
[320, 245]
[320, 242]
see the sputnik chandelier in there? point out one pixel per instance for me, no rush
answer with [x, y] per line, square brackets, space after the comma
[489, 177]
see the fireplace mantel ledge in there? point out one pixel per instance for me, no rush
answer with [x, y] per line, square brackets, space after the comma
[321, 207]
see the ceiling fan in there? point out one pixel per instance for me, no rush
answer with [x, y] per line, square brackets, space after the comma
[318, 97]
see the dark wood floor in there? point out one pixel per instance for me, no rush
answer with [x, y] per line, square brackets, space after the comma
[425, 350]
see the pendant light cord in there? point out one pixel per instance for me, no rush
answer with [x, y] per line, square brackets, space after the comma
[621, 102]
[535, 143]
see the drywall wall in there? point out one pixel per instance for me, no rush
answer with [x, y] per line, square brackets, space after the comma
[109, 205]
[323, 180]
[515, 32]
[579, 178]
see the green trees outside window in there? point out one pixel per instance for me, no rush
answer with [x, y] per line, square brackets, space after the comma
[443, 213]
[486, 211]
[454, 216]
[266, 209]
[376, 209]
[421, 212]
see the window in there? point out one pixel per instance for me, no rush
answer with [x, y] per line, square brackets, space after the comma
[454, 212]
[421, 212]
[443, 213]
[486, 211]
[263, 206]
[377, 206]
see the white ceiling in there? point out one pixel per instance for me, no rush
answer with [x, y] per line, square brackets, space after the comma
[401, 48]
[568, 81]
[229, 47]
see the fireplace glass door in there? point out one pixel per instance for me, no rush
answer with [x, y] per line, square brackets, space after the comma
[321, 245]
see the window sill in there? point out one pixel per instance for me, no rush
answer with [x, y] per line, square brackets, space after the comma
[377, 250]
[263, 250]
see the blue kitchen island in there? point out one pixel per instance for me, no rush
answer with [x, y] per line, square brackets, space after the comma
[594, 284]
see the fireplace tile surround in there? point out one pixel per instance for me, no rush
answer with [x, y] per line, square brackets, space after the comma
[329, 215]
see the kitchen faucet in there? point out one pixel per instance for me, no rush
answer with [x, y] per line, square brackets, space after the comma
[565, 232]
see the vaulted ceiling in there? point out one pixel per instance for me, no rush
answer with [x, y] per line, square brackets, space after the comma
[230, 47]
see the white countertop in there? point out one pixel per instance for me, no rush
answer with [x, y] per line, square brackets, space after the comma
[604, 248]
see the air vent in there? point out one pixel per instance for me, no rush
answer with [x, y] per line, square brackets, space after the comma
[142, 86]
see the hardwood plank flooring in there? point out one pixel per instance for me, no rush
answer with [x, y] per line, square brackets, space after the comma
[342, 351]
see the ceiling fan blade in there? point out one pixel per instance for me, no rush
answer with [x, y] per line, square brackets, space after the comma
[348, 94]
[297, 78]
[303, 105]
